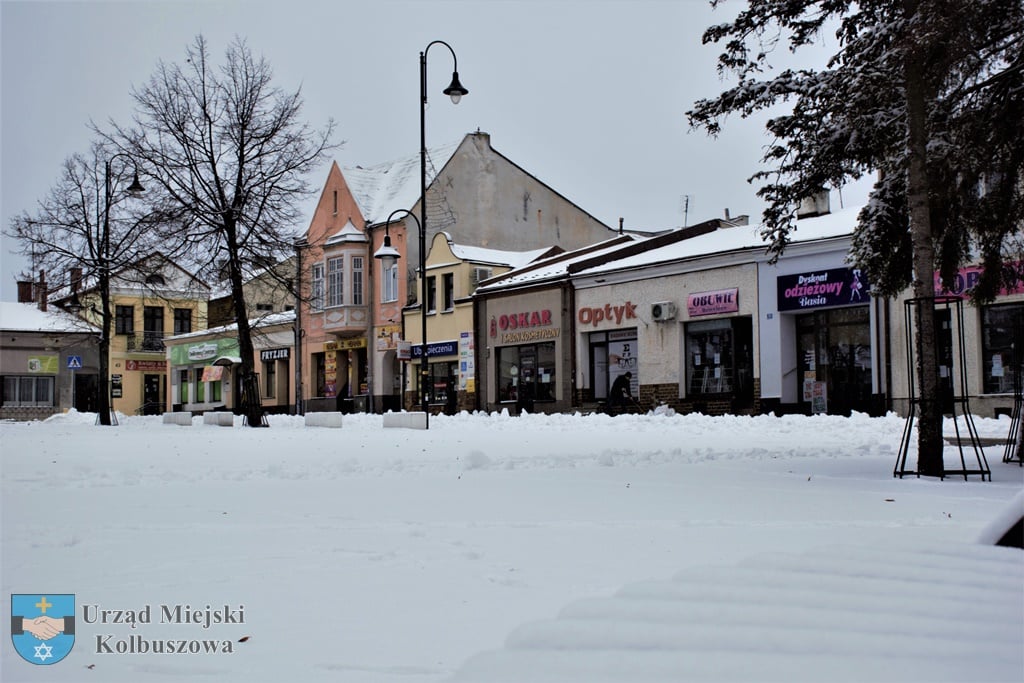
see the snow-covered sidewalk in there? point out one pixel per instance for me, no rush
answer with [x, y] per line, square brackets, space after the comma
[369, 555]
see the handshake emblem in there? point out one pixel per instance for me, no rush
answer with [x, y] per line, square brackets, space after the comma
[43, 627]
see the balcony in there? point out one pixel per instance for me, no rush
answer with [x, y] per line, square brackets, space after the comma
[149, 342]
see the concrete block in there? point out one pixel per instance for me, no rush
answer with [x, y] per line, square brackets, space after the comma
[219, 418]
[331, 419]
[183, 419]
[416, 420]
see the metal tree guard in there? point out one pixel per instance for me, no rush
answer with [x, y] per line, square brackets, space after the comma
[957, 401]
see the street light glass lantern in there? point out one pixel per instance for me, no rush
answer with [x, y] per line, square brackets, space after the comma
[455, 90]
[387, 254]
[136, 189]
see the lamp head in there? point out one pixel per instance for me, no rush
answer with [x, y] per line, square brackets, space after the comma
[387, 254]
[455, 90]
[136, 189]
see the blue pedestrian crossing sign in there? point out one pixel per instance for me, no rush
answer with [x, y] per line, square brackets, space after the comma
[74, 362]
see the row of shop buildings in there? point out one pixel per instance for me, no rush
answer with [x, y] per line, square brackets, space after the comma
[532, 302]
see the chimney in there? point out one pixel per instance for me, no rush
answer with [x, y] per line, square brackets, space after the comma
[76, 279]
[25, 292]
[727, 213]
[815, 205]
[620, 224]
[41, 293]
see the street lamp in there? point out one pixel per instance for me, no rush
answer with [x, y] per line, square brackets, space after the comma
[455, 90]
[388, 255]
[133, 190]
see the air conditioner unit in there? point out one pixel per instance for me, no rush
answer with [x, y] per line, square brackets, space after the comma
[663, 310]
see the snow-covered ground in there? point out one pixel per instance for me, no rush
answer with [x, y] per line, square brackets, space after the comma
[365, 554]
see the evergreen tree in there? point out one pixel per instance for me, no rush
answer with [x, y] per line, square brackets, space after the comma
[925, 93]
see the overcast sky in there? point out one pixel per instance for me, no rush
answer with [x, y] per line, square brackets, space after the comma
[589, 96]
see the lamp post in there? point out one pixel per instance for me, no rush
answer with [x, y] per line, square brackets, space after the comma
[134, 190]
[388, 255]
[455, 90]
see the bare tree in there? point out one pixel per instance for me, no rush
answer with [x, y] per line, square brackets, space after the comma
[227, 147]
[87, 226]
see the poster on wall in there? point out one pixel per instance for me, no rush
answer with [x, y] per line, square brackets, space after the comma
[622, 359]
[467, 362]
[330, 373]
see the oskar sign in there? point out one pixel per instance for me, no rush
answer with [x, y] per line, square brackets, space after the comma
[524, 326]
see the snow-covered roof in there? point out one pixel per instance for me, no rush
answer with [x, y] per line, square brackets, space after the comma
[24, 317]
[348, 233]
[723, 240]
[500, 257]
[380, 189]
[558, 266]
[268, 320]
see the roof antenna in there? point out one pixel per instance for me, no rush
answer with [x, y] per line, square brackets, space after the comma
[686, 209]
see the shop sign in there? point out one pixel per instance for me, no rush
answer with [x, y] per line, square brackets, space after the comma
[212, 373]
[966, 279]
[276, 354]
[613, 314]
[345, 344]
[829, 287]
[202, 351]
[713, 303]
[445, 348]
[116, 388]
[388, 337]
[404, 350]
[519, 321]
[44, 364]
[146, 365]
[467, 360]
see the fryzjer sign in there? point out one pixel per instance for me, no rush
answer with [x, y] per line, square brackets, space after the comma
[829, 287]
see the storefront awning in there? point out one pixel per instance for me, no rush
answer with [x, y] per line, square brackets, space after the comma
[227, 361]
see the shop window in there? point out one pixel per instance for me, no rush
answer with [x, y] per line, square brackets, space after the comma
[320, 373]
[1001, 327]
[442, 378]
[183, 380]
[526, 372]
[124, 319]
[448, 284]
[719, 359]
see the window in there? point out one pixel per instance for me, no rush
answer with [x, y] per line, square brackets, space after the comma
[448, 283]
[335, 281]
[527, 372]
[389, 286]
[1000, 326]
[152, 328]
[335, 202]
[183, 380]
[182, 320]
[270, 378]
[156, 280]
[28, 391]
[124, 319]
[316, 302]
[265, 308]
[431, 294]
[357, 280]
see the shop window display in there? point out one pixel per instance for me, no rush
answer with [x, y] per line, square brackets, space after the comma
[526, 373]
[1002, 336]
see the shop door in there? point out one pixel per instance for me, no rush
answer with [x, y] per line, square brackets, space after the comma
[152, 398]
[834, 361]
[86, 393]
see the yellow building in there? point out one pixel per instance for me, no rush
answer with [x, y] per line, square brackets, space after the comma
[151, 299]
[453, 273]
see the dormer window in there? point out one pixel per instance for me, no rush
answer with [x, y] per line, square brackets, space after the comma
[155, 279]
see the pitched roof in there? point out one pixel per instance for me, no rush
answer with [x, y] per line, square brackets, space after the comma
[381, 189]
[25, 317]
